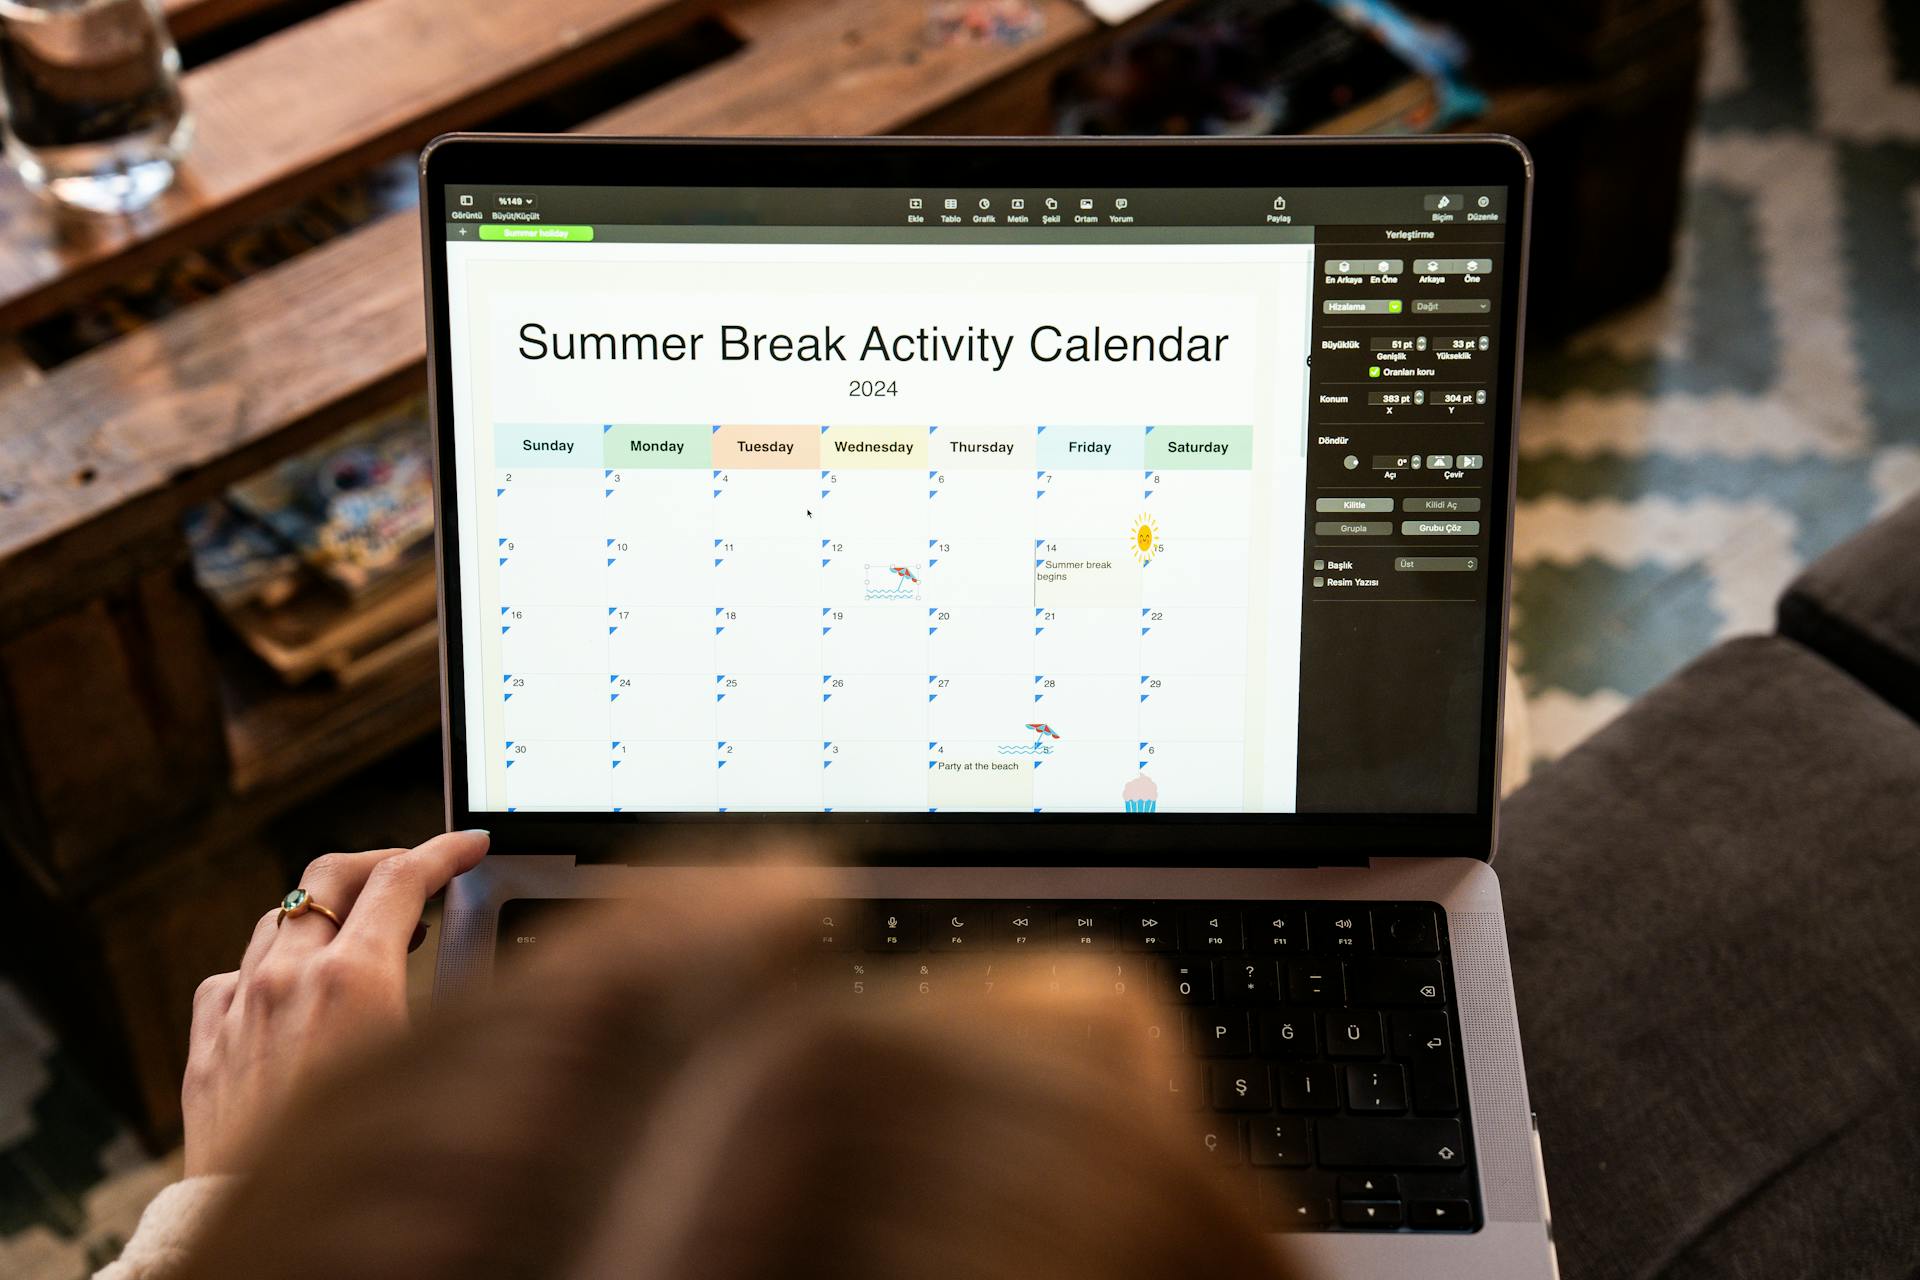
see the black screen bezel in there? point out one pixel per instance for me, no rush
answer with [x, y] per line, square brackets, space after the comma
[1225, 839]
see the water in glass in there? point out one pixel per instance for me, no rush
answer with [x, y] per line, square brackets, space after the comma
[94, 116]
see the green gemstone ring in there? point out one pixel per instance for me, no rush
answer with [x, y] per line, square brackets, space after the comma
[298, 903]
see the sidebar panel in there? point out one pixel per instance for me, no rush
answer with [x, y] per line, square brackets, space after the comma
[1400, 410]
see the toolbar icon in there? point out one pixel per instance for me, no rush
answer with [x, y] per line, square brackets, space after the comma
[950, 203]
[1279, 203]
[1052, 203]
[1018, 202]
[985, 203]
[1119, 202]
[915, 202]
[1086, 202]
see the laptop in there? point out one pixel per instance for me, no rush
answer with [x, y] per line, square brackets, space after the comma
[1100, 546]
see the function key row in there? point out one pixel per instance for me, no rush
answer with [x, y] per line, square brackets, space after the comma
[1246, 928]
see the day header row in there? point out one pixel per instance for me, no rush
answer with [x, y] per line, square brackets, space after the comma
[813, 447]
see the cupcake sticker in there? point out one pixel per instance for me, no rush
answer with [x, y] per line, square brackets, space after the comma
[1141, 795]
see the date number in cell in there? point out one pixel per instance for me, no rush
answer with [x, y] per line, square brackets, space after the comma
[858, 387]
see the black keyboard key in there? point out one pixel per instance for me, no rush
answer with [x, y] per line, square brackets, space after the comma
[1240, 1086]
[974, 973]
[925, 976]
[1294, 1201]
[1369, 1186]
[1426, 1040]
[1084, 928]
[1434, 1086]
[1285, 1033]
[1221, 1033]
[1279, 1142]
[1347, 1142]
[1353, 1034]
[862, 975]
[1211, 929]
[1273, 929]
[1188, 981]
[1307, 1086]
[1186, 1086]
[1406, 931]
[958, 928]
[1380, 1214]
[1340, 930]
[1395, 982]
[894, 926]
[834, 927]
[1313, 982]
[1221, 1138]
[1382, 1087]
[1148, 929]
[1117, 975]
[1023, 928]
[1078, 975]
[1413, 1032]
[1250, 980]
[1441, 1215]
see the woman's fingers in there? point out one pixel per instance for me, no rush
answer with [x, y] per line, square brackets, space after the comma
[210, 1004]
[396, 890]
[262, 938]
[334, 880]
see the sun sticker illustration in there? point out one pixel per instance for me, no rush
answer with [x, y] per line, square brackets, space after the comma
[1146, 539]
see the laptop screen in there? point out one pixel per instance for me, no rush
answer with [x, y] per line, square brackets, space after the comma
[1023, 499]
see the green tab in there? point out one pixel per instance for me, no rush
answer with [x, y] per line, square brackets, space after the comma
[1200, 449]
[533, 231]
[660, 448]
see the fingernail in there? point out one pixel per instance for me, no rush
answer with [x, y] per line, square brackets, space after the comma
[478, 831]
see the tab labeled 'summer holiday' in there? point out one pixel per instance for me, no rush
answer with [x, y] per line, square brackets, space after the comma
[535, 232]
[659, 448]
[1200, 449]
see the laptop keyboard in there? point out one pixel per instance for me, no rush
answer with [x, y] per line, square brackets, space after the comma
[1322, 1072]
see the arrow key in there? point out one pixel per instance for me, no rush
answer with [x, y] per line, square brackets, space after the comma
[1442, 1215]
[1294, 1201]
[1370, 1213]
[1369, 1186]
[1381, 1213]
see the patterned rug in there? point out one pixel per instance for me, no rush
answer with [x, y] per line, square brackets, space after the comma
[1679, 463]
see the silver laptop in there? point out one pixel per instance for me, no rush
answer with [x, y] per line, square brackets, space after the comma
[1099, 546]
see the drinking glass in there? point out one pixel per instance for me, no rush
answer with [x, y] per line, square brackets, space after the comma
[94, 115]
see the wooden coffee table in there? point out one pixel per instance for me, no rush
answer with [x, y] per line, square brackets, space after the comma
[139, 762]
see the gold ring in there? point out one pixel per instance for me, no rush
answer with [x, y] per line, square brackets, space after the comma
[298, 903]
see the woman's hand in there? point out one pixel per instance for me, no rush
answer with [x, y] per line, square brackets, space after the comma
[308, 993]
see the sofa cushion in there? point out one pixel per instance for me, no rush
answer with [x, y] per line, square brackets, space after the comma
[1714, 914]
[1859, 606]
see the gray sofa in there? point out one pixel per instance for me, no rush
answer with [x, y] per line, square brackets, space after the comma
[1714, 908]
